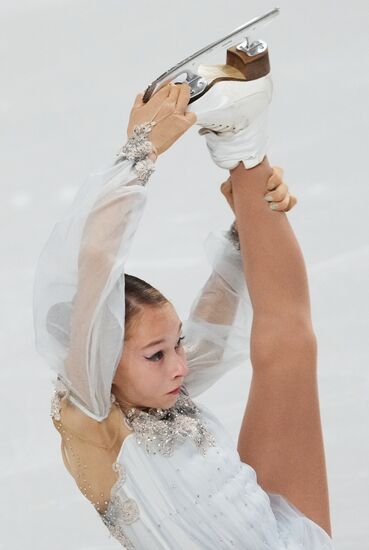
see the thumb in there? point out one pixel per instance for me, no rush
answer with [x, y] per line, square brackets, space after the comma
[226, 190]
[293, 202]
[278, 170]
[225, 187]
[190, 117]
[138, 100]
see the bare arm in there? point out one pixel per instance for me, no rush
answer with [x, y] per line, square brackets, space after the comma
[219, 326]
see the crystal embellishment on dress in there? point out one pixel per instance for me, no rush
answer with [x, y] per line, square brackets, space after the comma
[163, 430]
[60, 391]
[121, 509]
[138, 148]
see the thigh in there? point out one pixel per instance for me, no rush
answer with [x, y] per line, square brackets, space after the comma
[281, 438]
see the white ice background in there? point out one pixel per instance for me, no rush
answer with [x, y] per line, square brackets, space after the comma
[69, 73]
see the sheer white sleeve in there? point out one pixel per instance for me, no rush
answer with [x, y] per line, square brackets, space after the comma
[78, 305]
[217, 331]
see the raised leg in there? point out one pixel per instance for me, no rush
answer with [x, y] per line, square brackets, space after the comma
[281, 434]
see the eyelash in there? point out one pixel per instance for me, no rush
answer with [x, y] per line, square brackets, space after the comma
[152, 358]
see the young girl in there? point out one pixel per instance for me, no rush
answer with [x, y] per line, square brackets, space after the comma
[161, 471]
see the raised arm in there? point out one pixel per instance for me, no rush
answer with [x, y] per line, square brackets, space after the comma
[79, 306]
[79, 318]
[217, 329]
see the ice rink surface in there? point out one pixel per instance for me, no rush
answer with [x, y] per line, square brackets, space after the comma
[69, 73]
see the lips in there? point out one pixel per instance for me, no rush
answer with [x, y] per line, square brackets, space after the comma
[175, 390]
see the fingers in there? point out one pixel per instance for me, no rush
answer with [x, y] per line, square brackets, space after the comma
[190, 117]
[160, 95]
[138, 100]
[293, 201]
[226, 187]
[281, 199]
[173, 94]
[226, 190]
[276, 178]
[277, 192]
[285, 204]
[166, 105]
[178, 98]
[183, 97]
[162, 85]
[182, 103]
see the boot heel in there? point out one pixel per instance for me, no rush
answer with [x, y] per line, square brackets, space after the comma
[251, 67]
[240, 66]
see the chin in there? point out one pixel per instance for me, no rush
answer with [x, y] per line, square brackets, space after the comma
[173, 397]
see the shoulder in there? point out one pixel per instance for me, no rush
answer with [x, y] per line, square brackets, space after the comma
[105, 433]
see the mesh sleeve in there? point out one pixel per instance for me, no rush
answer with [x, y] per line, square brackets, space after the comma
[218, 328]
[78, 300]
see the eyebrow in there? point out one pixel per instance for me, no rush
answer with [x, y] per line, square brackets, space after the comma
[160, 341]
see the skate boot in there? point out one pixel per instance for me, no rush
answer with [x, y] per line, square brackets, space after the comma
[230, 100]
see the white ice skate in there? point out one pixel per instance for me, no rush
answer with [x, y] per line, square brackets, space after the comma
[230, 100]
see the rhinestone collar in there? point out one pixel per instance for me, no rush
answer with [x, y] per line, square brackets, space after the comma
[161, 431]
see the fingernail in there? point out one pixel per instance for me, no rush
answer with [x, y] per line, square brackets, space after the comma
[273, 206]
[268, 198]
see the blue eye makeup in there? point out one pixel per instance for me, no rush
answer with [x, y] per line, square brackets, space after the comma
[160, 354]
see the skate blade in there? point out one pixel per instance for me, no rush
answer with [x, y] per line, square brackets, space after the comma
[201, 77]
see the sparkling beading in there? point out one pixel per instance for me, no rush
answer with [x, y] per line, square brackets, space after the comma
[60, 391]
[138, 148]
[163, 430]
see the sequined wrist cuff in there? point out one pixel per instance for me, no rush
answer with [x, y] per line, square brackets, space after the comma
[232, 235]
[138, 149]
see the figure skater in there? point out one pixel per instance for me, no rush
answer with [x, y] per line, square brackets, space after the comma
[162, 471]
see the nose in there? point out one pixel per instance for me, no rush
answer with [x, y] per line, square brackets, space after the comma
[180, 367]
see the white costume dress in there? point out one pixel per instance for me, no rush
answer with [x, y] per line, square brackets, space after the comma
[178, 482]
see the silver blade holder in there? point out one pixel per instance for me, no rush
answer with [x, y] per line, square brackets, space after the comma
[187, 69]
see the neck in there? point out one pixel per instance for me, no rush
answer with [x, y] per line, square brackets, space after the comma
[122, 402]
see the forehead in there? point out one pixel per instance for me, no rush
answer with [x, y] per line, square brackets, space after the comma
[155, 322]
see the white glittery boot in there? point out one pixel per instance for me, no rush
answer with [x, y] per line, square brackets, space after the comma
[234, 120]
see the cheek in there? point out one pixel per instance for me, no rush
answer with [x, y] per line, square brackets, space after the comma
[151, 375]
[146, 377]
[128, 372]
[140, 378]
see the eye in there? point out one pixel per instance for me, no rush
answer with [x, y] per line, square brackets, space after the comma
[155, 357]
[159, 354]
[179, 341]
